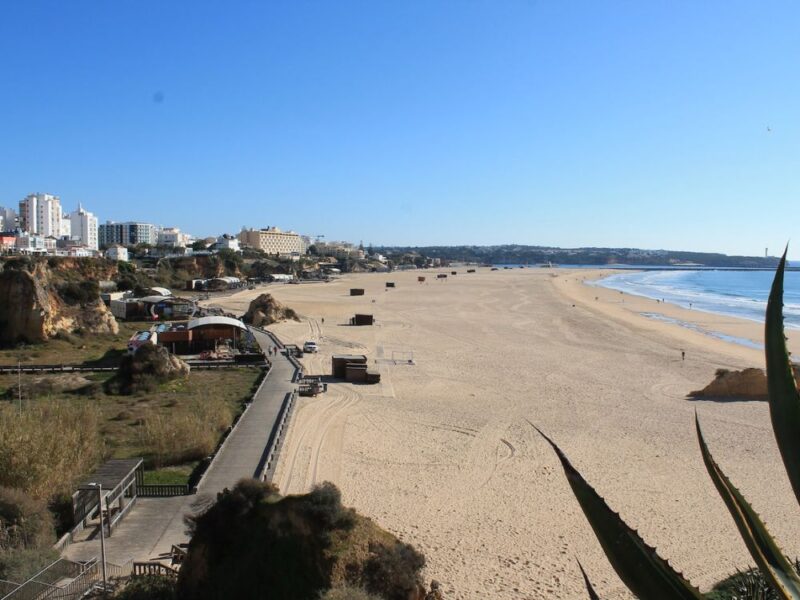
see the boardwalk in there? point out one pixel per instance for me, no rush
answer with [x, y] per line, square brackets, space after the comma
[155, 524]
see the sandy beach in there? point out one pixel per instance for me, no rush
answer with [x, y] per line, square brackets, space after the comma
[441, 453]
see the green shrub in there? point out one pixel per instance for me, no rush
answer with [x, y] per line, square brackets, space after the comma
[347, 592]
[81, 293]
[392, 572]
[148, 587]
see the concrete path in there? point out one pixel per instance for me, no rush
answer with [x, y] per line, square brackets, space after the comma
[155, 524]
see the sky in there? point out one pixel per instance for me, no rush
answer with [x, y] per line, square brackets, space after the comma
[654, 124]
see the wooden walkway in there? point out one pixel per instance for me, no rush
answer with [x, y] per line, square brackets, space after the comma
[155, 524]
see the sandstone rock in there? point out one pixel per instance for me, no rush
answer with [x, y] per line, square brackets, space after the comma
[150, 364]
[265, 310]
[747, 383]
[31, 309]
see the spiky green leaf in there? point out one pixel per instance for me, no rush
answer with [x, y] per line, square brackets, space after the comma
[784, 400]
[589, 589]
[638, 565]
[775, 567]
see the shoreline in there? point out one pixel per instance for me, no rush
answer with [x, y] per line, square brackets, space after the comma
[737, 337]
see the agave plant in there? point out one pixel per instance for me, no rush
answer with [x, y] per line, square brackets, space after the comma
[638, 565]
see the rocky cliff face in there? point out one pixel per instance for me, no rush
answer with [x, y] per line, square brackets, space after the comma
[31, 309]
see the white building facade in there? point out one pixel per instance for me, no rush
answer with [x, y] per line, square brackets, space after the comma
[41, 214]
[8, 219]
[172, 237]
[84, 227]
[272, 240]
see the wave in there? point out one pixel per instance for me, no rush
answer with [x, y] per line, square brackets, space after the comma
[740, 294]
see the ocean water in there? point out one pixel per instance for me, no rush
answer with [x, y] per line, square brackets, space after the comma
[735, 293]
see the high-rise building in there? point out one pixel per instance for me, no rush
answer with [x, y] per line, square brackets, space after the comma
[8, 219]
[129, 233]
[84, 227]
[66, 227]
[41, 214]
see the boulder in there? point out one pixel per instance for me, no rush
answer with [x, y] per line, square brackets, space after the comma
[147, 366]
[266, 310]
[747, 383]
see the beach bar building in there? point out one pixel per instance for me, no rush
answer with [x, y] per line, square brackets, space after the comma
[356, 291]
[390, 284]
[362, 320]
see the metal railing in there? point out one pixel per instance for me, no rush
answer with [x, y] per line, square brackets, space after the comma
[163, 490]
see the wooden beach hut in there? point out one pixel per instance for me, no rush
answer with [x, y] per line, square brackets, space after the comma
[421, 279]
[361, 319]
[339, 363]
[356, 291]
[390, 284]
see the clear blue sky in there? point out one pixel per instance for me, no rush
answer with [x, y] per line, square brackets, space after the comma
[414, 122]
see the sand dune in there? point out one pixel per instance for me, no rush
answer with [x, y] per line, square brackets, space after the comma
[441, 454]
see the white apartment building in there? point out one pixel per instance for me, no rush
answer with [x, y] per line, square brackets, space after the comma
[83, 225]
[272, 240]
[66, 227]
[172, 237]
[229, 242]
[41, 214]
[8, 219]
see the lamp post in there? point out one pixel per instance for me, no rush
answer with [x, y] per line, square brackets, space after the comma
[102, 533]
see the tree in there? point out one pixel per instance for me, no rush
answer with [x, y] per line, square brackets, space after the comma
[199, 245]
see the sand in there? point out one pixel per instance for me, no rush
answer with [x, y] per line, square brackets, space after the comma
[441, 454]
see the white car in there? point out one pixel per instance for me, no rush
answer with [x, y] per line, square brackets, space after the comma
[310, 347]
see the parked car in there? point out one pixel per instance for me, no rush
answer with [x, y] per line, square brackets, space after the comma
[310, 347]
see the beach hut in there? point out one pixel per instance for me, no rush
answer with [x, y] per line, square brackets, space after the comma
[356, 373]
[390, 284]
[470, 270]
[421, 279]
[339, 363]
[362, 320]
[453, 272]
[441, 276]
[356, 291]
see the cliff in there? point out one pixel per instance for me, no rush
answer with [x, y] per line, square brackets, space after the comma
[39, 299]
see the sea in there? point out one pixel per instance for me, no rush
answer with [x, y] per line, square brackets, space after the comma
[726, 292]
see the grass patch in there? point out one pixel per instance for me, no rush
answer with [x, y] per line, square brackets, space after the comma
[74, 348]
[174, 475]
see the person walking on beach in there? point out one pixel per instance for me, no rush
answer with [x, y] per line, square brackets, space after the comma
[683, 355]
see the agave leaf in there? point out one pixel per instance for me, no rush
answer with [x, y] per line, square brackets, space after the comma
[775, 567]
[589, 589]
[638, 565]
[784, 400]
